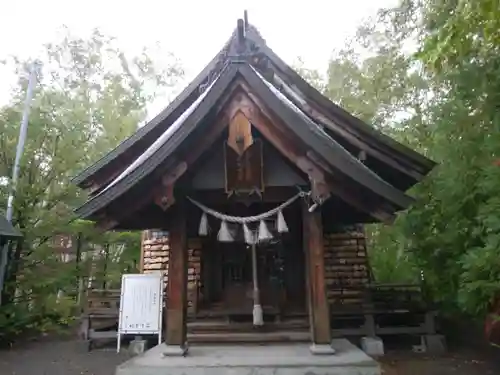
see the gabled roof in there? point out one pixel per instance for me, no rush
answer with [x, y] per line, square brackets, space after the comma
[310, 133]
[162, 120]
[338, 113]
[318, 140]
[164, 147]
[7, 230]
[333, 119]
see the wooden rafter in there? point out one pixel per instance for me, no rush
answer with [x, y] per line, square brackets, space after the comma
[344, 131]
[240, 90]
[398, 158]
[342, 117]
[269, 126]
[172, 171]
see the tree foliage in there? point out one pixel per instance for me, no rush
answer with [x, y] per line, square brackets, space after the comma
[457, 221]
[376, 78]
[427, 73]
[90, 96]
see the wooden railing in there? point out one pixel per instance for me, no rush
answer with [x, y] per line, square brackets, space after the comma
[386, 297]
[385, 309]
[100, 315]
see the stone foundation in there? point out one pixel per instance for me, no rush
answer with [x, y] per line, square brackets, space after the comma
[291, 359]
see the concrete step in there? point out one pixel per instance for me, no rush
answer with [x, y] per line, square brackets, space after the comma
[275, 359]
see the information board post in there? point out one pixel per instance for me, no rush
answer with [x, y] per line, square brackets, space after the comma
[141, 306]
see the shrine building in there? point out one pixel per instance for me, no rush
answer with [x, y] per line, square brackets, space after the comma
[252, 189]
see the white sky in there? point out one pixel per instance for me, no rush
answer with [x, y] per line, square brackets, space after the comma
[194, 30]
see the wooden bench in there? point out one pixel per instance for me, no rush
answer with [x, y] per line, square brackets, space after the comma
[100, 315]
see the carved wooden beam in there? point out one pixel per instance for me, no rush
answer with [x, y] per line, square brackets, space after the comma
[336, 187]
[280, 138]
[272, 194]
[384, 216]
[320, 190]
[164, 195]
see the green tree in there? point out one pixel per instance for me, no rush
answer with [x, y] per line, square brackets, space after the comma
[376, 78]
[90, 96]
[428, 73]
[455, 226]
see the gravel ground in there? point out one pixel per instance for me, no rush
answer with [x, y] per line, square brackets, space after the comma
[462, 362]
[59, 357]
[69, 357]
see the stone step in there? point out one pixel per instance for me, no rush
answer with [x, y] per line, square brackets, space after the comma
[224, 326]
[249, 337]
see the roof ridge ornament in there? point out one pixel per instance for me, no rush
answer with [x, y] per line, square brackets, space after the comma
[240, 25]
[241, 49]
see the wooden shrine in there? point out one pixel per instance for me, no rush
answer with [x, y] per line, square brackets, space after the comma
[257, 187]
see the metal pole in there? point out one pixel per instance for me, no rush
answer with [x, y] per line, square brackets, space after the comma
[15, 171]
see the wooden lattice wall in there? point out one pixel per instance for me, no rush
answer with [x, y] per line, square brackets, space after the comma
[347, 268]
[155, 256]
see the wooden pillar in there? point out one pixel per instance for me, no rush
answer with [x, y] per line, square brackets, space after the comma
[318, 303]
[141, 260]
[177, 284]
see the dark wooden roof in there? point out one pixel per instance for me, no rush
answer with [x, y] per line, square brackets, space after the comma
[7, 230]
[154, 127]
[312, 135]
[318, 140]
[397, 164]
[157, 157]
[346, 119]
[317, 124]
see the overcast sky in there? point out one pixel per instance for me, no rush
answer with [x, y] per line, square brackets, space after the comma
[194, 30]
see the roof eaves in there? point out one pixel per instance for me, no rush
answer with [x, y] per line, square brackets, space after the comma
[414, 156]
[312, 133]
[152, 124]
[159, 154]
[161, 140]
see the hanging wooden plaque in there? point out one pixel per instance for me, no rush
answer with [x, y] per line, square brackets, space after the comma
[243, 158]
[244, 173]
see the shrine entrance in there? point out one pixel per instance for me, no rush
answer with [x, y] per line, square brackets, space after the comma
[228, 278]
[237, 280]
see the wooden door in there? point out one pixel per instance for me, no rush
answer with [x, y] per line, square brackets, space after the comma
[236, 278]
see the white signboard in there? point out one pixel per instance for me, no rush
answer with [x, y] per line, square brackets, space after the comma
[141, 305]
